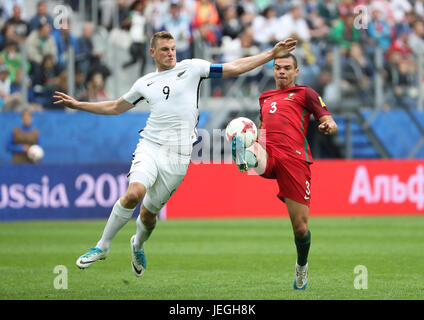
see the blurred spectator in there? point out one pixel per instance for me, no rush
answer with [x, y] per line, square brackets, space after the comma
[8, 8]
[16, 88]
[332, 91]
[21, 27]
[262, 4]
[206, 20]
[8, 101]
[13, 59]
[178, 24]
[265, 27]
[138, 47]
[96, 88]
[318, 29]
[156, 10]
[187, 7]
[240, 47]
[22, 138]
[416, 39]
[221, 6]
[419, 7]
[41, 17]
[46, 80]
[383, 6]
[401, 78]
[345, 7]
[107, 8]
[41, 43]
[399, 9]
[379, 30]
[87, 57]
[359, 71]
[7, 35]
[231, 24]
[249, 6]
[281, 7]
[81, 93]
[123, 14]
[328, 10]
[343, 32]
[292, 24]
[64, 39]
[401, 44]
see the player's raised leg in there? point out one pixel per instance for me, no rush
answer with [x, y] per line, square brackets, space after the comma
[121, 213]
[253, 157]
[299, 214]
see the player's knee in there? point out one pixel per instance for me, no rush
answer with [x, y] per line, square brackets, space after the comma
[132, 197]
[300, 230]
[148, 218]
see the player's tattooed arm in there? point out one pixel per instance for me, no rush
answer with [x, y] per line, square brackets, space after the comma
[112, 107]
[243, 65]
[327, 125]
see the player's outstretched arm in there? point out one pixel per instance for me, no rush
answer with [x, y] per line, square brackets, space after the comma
[243, 65]
[327, 125]
[113, 107]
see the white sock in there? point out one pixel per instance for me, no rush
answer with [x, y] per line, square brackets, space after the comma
[117, 219]
[142, 234]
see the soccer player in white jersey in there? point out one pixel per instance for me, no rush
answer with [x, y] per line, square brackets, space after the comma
[161, 158]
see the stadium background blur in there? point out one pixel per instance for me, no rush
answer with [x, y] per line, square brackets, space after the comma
[365, 58]
[368, 76]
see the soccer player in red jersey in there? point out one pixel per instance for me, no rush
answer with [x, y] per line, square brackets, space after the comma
[282, 151]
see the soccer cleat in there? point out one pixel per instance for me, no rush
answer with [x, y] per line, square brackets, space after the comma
[239, 155]
[301, 277]
[138, 261]
[90, 257]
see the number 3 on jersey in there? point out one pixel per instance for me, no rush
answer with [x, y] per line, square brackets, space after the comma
[273, 107]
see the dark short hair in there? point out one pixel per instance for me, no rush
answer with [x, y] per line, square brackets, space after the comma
[289, 55]
[160, 35]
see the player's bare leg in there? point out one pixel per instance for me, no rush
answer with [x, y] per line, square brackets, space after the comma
[299, 214]
[146, 222]
[253, 157]
[261, 156]
[121, 213]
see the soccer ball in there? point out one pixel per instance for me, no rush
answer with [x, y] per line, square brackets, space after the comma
[243, 127]
[35, 153]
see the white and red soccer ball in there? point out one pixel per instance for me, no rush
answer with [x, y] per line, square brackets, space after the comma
[243, 127]
[35, 153]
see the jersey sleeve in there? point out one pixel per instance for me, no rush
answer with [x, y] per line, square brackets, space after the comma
[315, 104]
[134, 95]
[207, 69]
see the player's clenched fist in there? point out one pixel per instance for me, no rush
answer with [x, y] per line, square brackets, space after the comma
[328, 127]
[282, 48]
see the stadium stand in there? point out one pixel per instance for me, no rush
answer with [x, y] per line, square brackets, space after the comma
[365, 58]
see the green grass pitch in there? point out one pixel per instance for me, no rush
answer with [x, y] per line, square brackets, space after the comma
[225, 259]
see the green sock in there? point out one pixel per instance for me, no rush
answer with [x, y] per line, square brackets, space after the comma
[252, 161]
[302, 246]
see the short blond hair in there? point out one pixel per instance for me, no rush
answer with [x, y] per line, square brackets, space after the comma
[160, 35]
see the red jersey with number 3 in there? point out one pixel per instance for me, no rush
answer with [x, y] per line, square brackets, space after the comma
[285, 117]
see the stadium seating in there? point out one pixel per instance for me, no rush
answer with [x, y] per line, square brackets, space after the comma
[82, 137]
[397, 132]
[361, 145]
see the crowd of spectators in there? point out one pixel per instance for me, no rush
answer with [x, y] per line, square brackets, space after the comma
[360, 29]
